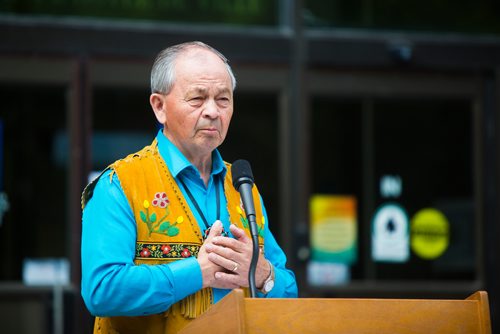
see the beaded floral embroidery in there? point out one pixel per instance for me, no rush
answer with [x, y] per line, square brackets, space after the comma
[160, 226]
[244, 221]
[166, 251]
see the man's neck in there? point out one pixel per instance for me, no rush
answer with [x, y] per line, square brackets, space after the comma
[200, 160]
[204, 166]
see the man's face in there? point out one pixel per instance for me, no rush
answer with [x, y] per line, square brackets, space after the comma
[199, 106]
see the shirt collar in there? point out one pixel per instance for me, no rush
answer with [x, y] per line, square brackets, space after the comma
[177, 162]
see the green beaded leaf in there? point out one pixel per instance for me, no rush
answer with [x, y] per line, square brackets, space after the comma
[152, 218]
[143, 217]
[244, 221]
[164, 226]
[172, 231]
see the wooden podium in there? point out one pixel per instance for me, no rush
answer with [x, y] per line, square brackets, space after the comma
[236, 314]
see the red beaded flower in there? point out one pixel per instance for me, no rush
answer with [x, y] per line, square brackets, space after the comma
[166, 249]
[185, 253]
[145, 252]
[161, 200]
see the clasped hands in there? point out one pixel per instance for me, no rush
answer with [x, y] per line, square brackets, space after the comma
[225, 261]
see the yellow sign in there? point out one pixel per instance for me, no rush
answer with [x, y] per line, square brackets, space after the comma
[430, 234]
[333, 228]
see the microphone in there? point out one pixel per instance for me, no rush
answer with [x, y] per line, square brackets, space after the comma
[243, 183]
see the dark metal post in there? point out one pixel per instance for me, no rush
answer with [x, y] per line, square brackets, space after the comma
[298, 146]
[491, 184]
[79, 121]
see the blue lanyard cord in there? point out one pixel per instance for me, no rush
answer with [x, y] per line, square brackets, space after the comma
[197, 207]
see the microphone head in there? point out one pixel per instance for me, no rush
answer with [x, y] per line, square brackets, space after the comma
[242, 173]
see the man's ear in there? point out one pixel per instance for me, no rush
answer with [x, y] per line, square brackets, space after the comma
[157, 102]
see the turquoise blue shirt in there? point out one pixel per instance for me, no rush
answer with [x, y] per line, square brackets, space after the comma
[112, 285]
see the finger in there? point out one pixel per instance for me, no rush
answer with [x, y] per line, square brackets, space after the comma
[223, 285]
[228, 264]
[235, 281]
[230, 244]
[223, 249]
[239, 233]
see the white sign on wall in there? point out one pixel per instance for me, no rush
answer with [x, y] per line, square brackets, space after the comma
[390, 234]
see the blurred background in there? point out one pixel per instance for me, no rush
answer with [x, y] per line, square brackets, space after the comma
[371, 126]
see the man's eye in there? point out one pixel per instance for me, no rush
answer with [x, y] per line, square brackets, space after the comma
[223, 101]
[195, 100]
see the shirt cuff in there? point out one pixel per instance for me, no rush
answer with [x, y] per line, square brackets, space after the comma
[187, 277]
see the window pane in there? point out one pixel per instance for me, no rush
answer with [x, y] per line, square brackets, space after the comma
[412, 154]
[35, 176]
[336, 158]
[428, 144]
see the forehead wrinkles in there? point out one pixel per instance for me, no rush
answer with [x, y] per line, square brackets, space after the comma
[198, 90]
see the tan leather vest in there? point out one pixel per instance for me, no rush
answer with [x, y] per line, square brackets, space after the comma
[166, 231]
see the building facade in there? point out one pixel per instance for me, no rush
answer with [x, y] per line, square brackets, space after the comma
[374, 141]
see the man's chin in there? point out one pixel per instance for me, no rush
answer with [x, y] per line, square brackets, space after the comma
[209, 143]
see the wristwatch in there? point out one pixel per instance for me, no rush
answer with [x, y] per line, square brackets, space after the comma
[269, 282]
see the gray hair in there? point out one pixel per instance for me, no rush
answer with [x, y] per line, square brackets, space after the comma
[163, 73]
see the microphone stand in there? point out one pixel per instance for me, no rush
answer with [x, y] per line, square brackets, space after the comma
[255, 254]
[243, 183]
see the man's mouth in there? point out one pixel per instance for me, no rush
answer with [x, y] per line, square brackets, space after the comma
[210, 129]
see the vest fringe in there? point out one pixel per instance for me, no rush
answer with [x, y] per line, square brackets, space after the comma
[196, 304]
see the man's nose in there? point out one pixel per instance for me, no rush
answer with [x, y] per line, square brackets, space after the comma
[211, 109]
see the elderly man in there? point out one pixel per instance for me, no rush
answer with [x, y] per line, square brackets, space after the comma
[164, 233]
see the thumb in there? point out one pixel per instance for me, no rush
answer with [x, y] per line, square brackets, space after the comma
[215, 229]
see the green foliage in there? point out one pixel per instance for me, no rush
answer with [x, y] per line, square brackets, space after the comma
[466, 16]
[245, 12]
